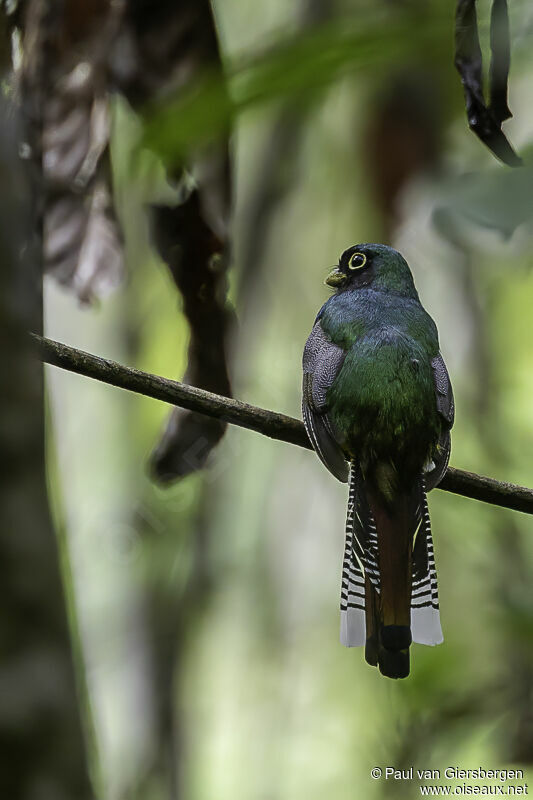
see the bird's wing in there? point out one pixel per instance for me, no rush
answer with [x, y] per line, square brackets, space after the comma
[322, 361]
[446, 409]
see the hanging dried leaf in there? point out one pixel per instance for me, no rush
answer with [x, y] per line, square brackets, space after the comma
[82, 241]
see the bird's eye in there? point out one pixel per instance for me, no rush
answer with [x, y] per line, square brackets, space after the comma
[357, 261]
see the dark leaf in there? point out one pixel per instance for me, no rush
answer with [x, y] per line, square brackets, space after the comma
[500, 60]
[197, 262]
[162, 49]
[485, 122]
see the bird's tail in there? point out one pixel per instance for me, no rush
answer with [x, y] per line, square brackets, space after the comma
[389, 584]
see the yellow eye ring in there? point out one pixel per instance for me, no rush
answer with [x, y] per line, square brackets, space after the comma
[357, 260]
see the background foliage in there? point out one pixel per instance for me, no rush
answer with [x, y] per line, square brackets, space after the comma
[208, 610]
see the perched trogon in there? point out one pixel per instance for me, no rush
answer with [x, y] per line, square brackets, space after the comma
[378, 408]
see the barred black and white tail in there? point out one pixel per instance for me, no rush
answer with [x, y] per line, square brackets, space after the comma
[425, 616]
[361, 561]
[361, 572]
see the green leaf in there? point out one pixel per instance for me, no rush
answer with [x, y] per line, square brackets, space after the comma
[298, 69]
[499, 199]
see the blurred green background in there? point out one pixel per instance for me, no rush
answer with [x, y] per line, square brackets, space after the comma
[208, 612]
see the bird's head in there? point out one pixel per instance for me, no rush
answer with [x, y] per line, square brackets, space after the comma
[375, 266]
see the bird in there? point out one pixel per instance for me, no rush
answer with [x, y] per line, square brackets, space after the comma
[378, 408]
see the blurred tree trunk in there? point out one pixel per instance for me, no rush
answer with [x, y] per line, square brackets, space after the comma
[41, 738]
[512, 578]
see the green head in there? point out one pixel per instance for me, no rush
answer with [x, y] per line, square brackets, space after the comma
[373, 266]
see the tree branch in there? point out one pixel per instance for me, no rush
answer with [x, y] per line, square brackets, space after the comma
[269, 423]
